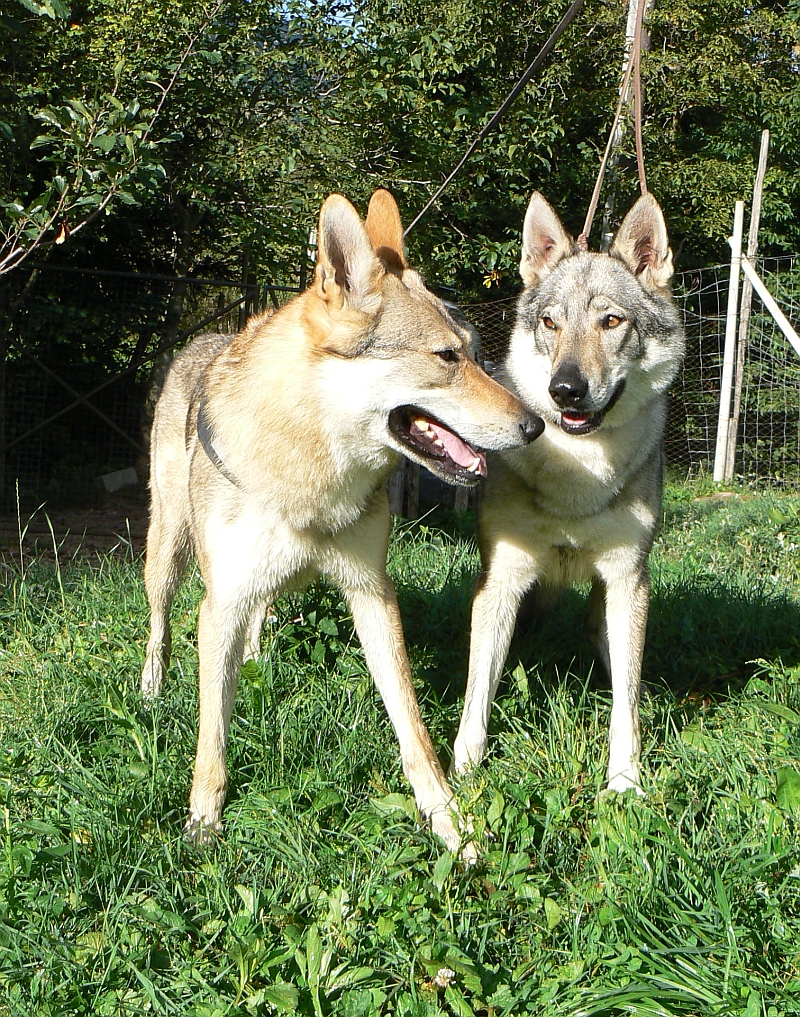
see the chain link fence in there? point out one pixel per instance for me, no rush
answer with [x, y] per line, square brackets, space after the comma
[81, 352]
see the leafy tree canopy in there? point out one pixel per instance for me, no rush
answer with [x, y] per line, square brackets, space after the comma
[206, 129]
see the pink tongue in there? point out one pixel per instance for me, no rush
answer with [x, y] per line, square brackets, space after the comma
[458, 451]
[576, 418]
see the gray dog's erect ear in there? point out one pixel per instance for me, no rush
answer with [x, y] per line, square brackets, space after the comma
[643, 245]
[348, 272]
[544, 241]
[385, 229]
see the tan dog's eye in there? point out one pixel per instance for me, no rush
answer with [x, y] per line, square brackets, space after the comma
[448, 356]
[612, 320]
[548, 322]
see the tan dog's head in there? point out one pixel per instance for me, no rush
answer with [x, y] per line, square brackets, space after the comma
[394, 361]
[597, 335]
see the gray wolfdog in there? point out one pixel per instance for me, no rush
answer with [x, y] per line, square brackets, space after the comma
[597, 341]
[270, 454]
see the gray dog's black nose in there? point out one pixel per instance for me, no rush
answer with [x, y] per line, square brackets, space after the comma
[568, 386]
[531, 427]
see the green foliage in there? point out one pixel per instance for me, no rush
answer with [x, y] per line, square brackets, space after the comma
[323, 896]
[71, 145]
[717, 74]
[249, 113]
[159, 102]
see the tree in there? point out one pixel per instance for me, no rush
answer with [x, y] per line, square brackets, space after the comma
[421, 78]
[275, 105]
[76, 138]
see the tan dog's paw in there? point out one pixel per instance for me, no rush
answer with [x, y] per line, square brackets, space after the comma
[623, 782]
[457, 834]
[201, 834]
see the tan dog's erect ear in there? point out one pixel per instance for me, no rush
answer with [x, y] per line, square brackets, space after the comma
[385, 230]
[348, 272]
[544, 241]
[643, 245]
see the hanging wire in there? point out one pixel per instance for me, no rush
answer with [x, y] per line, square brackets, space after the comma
[538, 60]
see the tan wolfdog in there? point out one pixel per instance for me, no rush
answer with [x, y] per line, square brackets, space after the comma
[270, 454]
[597, 341]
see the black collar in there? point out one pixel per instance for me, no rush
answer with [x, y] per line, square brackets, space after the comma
[206, 439]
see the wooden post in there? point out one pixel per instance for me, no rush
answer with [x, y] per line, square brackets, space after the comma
[744, 310]
[412, 487]
[245, 278]
[781, 320]
[461, 502]
[729, 355]
[307, 258]
[396, 485]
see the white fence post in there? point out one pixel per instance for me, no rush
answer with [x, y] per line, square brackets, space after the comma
[721, 450]
[781, 320]
[744, 307]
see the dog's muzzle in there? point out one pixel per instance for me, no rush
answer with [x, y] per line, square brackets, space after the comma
[573, 419]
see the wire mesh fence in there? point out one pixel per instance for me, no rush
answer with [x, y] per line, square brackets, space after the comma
[79, 356]
[768, 442]
[768, 445]
[99, 333]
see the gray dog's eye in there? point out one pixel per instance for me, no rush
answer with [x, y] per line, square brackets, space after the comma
[447, 355]
[548, 322]
[612, 320]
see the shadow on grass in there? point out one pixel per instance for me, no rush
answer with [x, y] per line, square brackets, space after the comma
[700, 640]
[708, 640]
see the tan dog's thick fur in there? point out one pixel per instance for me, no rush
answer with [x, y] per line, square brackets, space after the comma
[597, 341]
[269, 459]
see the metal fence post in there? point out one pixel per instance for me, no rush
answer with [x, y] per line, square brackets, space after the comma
[723, 425]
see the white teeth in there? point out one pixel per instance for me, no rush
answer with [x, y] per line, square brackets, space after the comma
[438, 443]
[474, 466]
[422, 425]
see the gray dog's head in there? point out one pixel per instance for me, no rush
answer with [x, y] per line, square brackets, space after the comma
[597, 335]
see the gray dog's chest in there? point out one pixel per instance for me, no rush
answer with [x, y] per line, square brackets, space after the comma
[576, 505]
[567, 482]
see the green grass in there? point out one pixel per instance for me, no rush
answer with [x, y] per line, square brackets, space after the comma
[325, 896]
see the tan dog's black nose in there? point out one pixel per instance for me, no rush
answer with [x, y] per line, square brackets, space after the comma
[531, 427]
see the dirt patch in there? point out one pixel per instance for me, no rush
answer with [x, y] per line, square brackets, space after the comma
[116, 528]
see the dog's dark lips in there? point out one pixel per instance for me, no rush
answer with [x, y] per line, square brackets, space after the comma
[441, 450]
[575, 422]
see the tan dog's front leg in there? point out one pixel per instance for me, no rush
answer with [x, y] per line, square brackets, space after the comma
[627, 602]
[220, 640]
[377, 621]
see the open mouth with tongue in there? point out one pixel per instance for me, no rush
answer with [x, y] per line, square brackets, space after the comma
[437, 447]
[575, 421]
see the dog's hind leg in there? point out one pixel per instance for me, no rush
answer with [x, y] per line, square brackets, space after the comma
[252, 639]
[627, 602]
[494, 609]
[596, 626]
[220, 641]
[168, 551]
